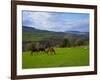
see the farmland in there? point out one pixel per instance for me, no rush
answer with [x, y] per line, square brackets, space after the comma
[64, 57]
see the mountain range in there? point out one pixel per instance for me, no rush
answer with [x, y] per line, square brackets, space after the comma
[31, 34]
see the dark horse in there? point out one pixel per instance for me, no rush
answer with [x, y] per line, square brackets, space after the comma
[37, 50]
[34, 50]
[50, 50]
[42, 49]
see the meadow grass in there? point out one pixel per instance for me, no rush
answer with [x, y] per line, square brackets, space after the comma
[65, 57]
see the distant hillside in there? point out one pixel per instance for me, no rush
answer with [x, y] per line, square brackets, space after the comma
[31, 29]
[86, 34]
[33, 34]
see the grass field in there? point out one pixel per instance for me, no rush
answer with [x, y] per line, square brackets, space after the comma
[64, 57]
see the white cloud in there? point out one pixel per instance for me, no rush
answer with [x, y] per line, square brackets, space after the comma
[39, 19]
[48, 21]
[75, 24]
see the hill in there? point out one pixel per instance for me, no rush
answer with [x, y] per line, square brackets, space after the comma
[33, 34]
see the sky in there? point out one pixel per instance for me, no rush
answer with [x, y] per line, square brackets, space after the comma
[56, 21]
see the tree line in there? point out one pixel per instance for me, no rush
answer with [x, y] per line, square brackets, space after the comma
[55, 42]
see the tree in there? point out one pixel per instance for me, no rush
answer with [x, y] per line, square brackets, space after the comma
[80, 42]
[65, 43]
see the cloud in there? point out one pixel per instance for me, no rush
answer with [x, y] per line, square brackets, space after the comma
[39, 20]
[78, 25]
[54, 21]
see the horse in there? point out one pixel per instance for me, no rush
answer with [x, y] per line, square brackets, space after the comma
[45, 50]
[37, 50]
[42, 49]
[50, 50]
[34, 50]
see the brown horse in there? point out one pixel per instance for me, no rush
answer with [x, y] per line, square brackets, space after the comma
[45, 50]
[50, 50]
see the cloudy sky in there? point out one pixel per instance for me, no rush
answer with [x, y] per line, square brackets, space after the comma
[56, 21]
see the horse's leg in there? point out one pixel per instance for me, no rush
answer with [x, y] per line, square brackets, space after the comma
[46, 51]
[51, 51]
[36, 53]
[54, 52]
[42, 52]
[31, 53]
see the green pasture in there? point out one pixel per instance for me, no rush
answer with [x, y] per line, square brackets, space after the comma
[64, 57]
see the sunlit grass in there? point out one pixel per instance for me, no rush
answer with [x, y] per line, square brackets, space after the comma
[64, 57]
